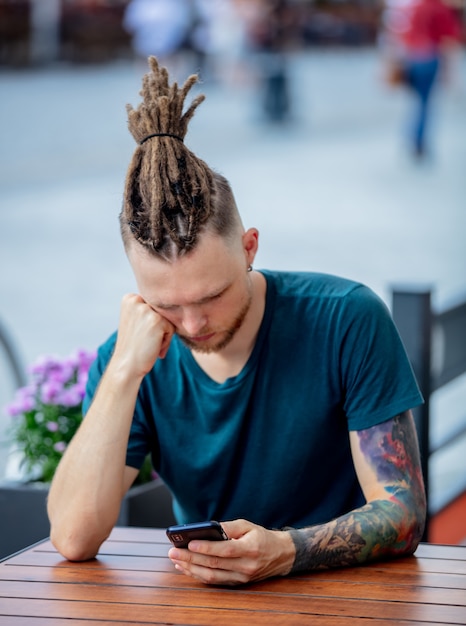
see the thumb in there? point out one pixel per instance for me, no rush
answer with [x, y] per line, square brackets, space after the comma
[237, 528]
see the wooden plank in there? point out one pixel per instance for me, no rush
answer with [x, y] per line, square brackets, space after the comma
[18, 620]
[134, 533]
[157, 535]
[140, 544]
[408, 565]
[278, 587]
[121, 562]
[160, 549]
[153, 542]
[156, 619]
[353, 590]
[78, 574]
[52, 621]
[417, 578]
[439, 551]
[155, 539]
[214, 615]
[83, 572]
[134, 548]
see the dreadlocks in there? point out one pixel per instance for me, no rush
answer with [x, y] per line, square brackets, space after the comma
[170, 194]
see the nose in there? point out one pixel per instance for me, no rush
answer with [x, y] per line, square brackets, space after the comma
[194, 321]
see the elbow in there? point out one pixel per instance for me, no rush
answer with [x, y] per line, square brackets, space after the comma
[418, 526]
[413, 526]
[403, 528]
[72, 550]
[77, 536]
[74, 546]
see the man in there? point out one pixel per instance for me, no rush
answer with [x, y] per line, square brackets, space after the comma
[277, 403]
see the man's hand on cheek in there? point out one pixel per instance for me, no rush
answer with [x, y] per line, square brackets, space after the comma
[251, 554]
[143, 334]
[168, 330]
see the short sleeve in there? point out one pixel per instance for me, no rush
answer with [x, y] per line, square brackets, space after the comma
[377, 378]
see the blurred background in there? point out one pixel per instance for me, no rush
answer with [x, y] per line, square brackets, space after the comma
[301, 116]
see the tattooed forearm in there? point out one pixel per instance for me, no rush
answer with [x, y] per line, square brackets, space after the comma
[387, 526]
[365, 534]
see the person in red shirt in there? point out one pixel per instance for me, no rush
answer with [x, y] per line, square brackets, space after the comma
[423, 30]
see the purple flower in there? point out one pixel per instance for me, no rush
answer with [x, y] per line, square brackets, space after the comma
[52, 368]
[43, 365]
[80, 388]
[85, 359]
[13, 409]
[82, 377]
[24, 401]
[60, 375]
[56, 385]
[50, 391]
[70, 396]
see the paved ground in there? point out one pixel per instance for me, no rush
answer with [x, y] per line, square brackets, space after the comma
[334, 190]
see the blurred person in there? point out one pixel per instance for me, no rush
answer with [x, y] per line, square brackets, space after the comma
[418, 36]
[159, 27]
[275, 402]
[217, 39]
[268, 31]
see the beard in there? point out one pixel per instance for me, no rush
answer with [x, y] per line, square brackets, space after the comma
[225, 337]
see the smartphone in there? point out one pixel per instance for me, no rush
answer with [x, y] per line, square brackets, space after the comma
[181, 535]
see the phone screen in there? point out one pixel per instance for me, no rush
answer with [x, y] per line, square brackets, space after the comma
[182, 534]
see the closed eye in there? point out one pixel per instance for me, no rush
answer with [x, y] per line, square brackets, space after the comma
[206, 300]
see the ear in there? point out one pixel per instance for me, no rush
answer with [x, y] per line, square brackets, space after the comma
[250, 244]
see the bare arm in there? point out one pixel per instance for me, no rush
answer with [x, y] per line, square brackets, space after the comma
[92, 478]
[386, 458]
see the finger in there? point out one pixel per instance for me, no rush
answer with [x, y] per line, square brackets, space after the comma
[166, 341]
[237, 528]
[187, 559]
[214, 568]
[211, 576]
[199, 555]
[223, 549]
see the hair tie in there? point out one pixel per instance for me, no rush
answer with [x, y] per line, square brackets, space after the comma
[161, 135]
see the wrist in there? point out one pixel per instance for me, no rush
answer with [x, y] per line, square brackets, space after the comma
[288, 551]
[122, 371]
[300, 561]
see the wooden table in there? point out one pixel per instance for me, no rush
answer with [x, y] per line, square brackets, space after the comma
[133, 582]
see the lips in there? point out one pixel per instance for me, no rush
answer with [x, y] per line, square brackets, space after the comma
[201, 338]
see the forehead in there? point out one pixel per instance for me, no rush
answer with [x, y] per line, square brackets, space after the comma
[204, 272]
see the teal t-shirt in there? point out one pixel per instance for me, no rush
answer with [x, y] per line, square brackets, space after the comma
[271, 445]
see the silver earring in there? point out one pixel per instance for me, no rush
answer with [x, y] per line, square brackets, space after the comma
[250, 268]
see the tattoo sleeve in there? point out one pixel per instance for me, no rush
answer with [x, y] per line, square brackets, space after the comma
[383, 527]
